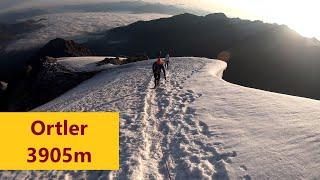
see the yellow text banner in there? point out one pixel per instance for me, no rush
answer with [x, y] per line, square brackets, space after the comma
[59, 141]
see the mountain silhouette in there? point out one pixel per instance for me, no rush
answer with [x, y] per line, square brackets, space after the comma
[185, 34]
[265, 56]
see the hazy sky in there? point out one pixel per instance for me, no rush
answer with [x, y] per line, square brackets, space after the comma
[303, 16]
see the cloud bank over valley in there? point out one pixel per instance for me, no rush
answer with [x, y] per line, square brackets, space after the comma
[76, 26]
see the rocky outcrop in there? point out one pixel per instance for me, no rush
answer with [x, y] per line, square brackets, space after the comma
[58, 48]
[3, 86]
[122, 60]
[63, 48]
[112, 60]
[50, 82]
[43, 78]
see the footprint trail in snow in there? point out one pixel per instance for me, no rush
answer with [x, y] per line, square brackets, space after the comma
[161, 137]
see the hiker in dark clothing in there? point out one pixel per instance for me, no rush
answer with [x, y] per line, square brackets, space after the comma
[157, 67]
[160, 54]
[167, 60]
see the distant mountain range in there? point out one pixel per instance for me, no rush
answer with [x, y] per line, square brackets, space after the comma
[185, 35]
[20, 30]
[264, 56]
[137, 7]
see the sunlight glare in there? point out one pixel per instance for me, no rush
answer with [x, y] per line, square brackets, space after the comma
[301, 16]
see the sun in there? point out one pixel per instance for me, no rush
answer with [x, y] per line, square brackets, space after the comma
[306, 29]
[302, 18]
[306, 24]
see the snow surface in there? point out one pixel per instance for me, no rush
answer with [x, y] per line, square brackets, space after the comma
[86, 64]
[83, 64]
[196, 126]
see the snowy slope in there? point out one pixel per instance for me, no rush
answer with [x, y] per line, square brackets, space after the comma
[196, 125]
[83, 64]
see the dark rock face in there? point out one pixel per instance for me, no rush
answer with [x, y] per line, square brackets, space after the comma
[12, 63]
[115, 61]
[57, 48]
[43, 79]
[3, 101]
[123, 60]
[280, 61]
[50, 82]
[3, 88]
[63, 48]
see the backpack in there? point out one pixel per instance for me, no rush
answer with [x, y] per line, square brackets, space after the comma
[157, 68]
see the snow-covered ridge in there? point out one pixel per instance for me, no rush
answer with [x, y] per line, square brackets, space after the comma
[85, 64]
[196, 125]
[82, 64]
[217, 68]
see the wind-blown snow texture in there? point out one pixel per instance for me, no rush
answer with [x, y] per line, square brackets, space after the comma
[196, 126]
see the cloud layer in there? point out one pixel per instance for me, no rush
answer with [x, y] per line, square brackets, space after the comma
[77, 26]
